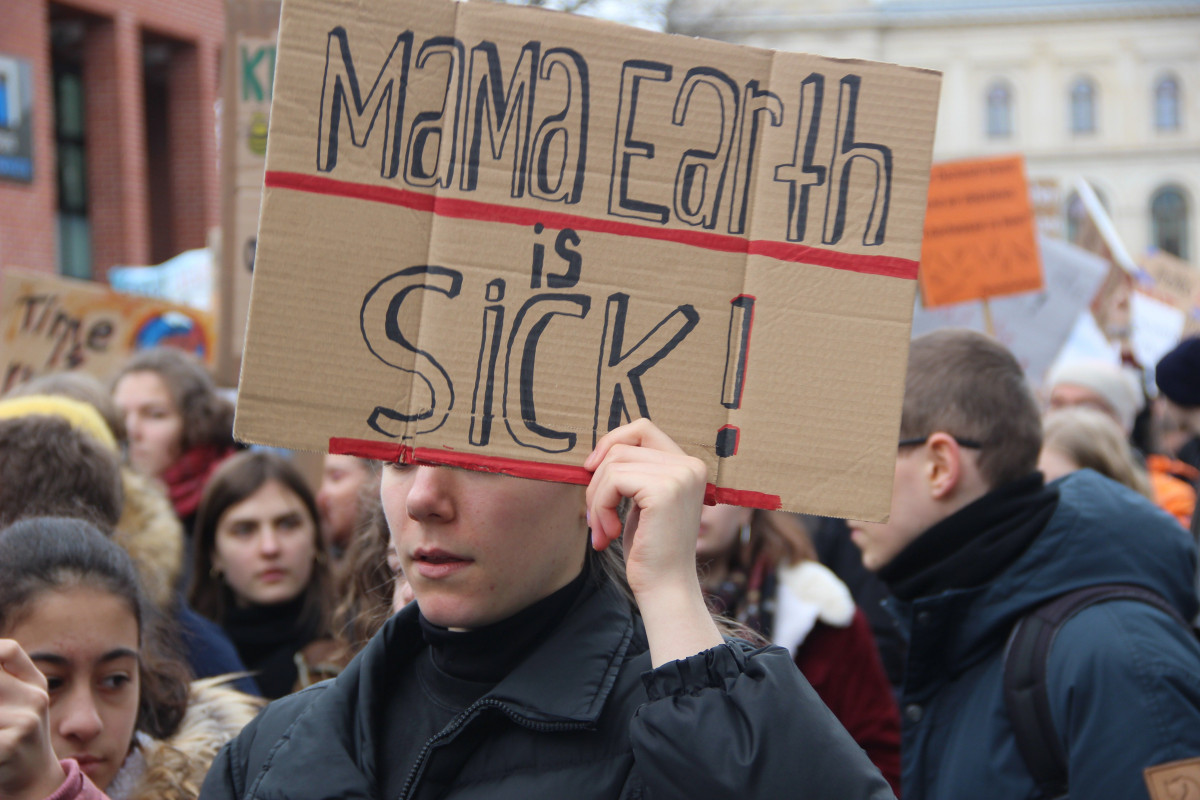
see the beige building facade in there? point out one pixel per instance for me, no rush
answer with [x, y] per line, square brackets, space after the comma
[1106, 90]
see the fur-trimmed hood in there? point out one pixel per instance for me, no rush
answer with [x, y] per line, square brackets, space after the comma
[174, 769]
[152, 535]
[809, 593]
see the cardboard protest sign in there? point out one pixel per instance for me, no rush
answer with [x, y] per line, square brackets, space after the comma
[979, 232]
[249, 74]
[1156, 328]
[1096, 233]
[1033, 325]
[1173, 281]
[490, 234]
[48, 324]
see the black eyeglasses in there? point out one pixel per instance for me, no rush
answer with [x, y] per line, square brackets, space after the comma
[971, 443]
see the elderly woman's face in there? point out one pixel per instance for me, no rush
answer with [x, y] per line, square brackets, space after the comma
[153, 422]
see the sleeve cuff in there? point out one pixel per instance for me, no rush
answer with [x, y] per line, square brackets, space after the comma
[73, 786]
[715, 668]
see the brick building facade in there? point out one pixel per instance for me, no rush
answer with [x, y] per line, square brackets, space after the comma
[124, 132]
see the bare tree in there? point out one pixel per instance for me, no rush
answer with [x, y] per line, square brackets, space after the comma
[650, 14]
[697, 17]
[570, 6]
[690, 17]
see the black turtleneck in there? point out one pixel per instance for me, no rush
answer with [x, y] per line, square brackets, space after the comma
[489, 653]
[455, 670]
[976, 543]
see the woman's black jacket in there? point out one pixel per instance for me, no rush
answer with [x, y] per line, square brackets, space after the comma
[583, 716]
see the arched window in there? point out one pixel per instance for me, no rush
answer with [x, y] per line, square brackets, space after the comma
[999, 110]
[1083, 106]
[1166, 103]
[1169, 221]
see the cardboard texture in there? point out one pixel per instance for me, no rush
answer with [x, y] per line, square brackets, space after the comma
[1173, 780]
[490, 233]
[1033, 325]
[49, 324]
[979, 232]
[248, 75]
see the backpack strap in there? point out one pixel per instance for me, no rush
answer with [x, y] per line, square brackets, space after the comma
[1026, 698]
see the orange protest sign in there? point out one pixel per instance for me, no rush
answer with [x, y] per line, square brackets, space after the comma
[979, 232]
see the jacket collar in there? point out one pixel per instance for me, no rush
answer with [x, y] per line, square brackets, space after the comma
[1100, 532]
[567, 678]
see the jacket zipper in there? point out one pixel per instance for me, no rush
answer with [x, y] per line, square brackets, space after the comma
[466, 717]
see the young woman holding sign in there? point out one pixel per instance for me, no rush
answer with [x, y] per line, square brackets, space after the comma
[530, 667]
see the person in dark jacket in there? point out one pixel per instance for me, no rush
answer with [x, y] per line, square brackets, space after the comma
[1178, 378]
[524, 669]
[975, 541]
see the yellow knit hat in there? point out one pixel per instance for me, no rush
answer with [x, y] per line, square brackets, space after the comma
[81, 415]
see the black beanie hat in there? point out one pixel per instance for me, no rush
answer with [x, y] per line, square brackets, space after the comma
[1178, 373]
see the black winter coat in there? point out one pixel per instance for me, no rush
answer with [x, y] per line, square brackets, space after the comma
[583, 716]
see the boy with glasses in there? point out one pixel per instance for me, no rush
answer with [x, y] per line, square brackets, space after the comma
[975, 541]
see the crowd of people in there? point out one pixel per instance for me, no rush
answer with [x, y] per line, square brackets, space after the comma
[183, 617]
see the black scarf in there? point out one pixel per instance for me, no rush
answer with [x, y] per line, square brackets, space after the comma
[267, 637]
[976, 543]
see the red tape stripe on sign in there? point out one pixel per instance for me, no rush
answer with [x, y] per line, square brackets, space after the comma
[458, 208]
[559, 473]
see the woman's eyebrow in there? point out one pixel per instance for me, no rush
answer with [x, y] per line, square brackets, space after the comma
[50, 658]
[60, 660]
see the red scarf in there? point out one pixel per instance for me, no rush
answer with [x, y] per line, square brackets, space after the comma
[187, 477]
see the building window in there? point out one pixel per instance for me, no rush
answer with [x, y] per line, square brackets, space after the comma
[1169, 221]
[1083, 106]
[1166, 104]
[999, 110]
[74, 231]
